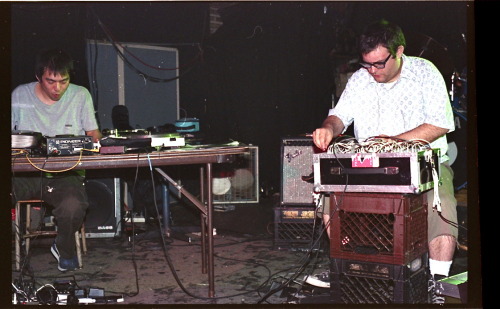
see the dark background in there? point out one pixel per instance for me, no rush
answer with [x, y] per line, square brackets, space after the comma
[266, 73]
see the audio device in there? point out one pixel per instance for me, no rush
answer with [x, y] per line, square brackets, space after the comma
[185, 125]
[121, 141]
[25, 139]
[296, 164]
[67, 145]
[104, 214]
[377, 166]
[60, 145]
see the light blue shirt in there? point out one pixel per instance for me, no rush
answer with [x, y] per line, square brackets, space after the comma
[73, 114]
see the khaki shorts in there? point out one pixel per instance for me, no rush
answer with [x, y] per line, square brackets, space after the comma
[436, 225]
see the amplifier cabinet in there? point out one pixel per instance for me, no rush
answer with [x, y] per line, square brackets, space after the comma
[103, 217]
[405, 172]
[241, 181]
[296, 163]
[357, 282]
[296, 228]
[378, 227]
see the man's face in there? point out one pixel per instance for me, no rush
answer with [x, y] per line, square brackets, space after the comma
[378, 56]
[53, 85]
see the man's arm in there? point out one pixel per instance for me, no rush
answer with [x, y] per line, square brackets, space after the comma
[96, 135]
[332, 127]
[424, 131]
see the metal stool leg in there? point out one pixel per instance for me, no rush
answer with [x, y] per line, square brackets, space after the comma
[18, 236]
[25, 234]
[84, 239]
[27, 224]
[78, 249]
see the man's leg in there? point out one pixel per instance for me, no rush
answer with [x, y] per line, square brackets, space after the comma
[442, 234]
[322, 279]
[68, 197]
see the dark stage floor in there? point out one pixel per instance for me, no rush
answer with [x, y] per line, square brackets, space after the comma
[249, 269]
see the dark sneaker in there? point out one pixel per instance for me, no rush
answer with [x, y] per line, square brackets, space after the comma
[321, 280]
[435, 289]
[62, 263]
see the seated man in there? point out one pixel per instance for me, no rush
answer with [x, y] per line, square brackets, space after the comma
[53, 106]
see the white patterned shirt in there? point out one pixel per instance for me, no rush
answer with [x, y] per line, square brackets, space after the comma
[418, 96]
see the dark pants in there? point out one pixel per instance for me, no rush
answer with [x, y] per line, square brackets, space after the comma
[65, 192]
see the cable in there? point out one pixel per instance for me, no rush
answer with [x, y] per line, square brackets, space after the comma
[116, 44]
[307, 257]
[53, 171]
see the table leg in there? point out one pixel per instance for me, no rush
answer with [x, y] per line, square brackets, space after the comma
[166, 209]
[207, 212]
[211, 291]
[203, 222]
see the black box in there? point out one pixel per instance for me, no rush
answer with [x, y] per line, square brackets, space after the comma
[378, 227]
[296, 228]
[68, 145]
[357, 282]
[104, 214]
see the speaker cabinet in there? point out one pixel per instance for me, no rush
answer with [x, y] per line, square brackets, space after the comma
[296, 228]
[296, 163]
[237, 182]
[103, 216]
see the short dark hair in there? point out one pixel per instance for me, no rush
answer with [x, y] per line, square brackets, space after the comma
[56, 60]
[384, 33]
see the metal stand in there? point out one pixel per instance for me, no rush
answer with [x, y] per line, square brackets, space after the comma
[207, 239]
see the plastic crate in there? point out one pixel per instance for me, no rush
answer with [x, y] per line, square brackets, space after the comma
[358, 282]
[377, 227]
[296, 228]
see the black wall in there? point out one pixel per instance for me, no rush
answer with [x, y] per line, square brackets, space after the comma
[265, 74]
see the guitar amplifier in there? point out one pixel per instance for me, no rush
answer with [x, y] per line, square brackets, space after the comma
[397, 172]
[296, 165]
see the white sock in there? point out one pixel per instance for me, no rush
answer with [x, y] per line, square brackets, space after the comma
[439, 267]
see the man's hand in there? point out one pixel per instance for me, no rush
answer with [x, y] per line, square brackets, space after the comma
[96, 135]
[322, 138]
[331, 128]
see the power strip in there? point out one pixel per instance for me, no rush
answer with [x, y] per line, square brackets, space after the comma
[62, 299]
[136, 220]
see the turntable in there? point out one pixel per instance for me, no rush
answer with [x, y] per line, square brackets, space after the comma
[120, 141]
[25, 139]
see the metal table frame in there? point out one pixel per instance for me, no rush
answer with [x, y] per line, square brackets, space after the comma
[181, 156]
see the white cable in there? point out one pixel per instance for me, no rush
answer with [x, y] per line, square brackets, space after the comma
[21, 292]
[378, 145]
[318, 199]
[435, 178]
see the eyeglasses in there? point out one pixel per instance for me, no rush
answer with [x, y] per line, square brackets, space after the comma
[378, 65]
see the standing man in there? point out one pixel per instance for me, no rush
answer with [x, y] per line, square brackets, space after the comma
[53, 106]
[403, 97]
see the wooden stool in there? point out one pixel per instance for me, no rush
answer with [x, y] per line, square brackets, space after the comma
[26, 233]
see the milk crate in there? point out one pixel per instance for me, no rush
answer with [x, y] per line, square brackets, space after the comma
[378, 227]
[297, 228]
[357, 282]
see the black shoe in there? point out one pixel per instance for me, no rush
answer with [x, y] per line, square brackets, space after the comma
[435, 289]
[321, 280]
[62, 263]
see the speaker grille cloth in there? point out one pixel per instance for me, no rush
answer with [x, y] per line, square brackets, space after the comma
[101, 204]
[297, 157]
